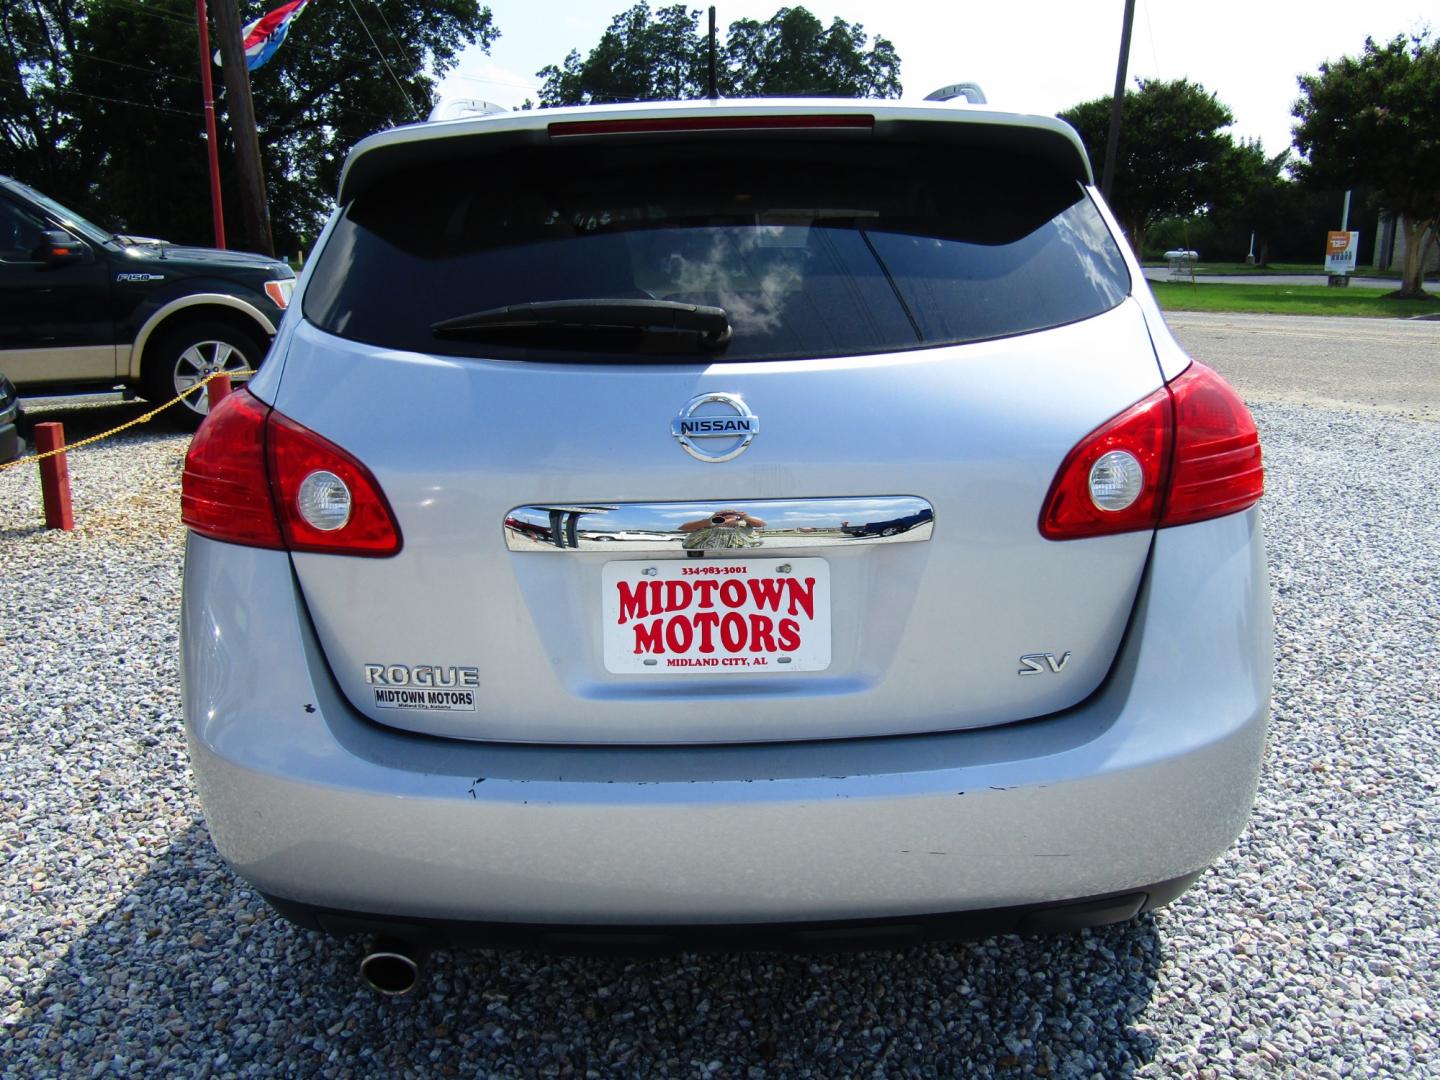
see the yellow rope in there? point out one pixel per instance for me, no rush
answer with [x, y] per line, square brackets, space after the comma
[142, 418]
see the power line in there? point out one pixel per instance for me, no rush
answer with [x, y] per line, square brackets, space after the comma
[368, 114]
[1154, 53]
[497, 82]
[74, 56]
[403, 92]
[101, 97]
[152, 72]
[151, 11]
[394, 37]
[143, 9]
[156, 72]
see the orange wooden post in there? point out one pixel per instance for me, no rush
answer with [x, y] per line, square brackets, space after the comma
[54, 477]
[217, 390]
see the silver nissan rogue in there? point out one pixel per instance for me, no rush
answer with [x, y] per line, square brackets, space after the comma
[723, 522]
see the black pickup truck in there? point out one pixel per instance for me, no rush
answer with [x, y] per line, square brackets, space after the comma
[83, 309]
[10, 442]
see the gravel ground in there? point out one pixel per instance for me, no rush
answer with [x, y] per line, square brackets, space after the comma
[127, 947]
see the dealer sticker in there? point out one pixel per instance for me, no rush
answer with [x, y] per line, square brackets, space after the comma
[419, 697]
[753, 616]
[434, 687]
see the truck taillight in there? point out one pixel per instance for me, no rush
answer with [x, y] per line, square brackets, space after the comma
[279, 290]
[1186, 453]
[257, 478]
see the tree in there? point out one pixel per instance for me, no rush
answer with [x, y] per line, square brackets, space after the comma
[1174, 157]
[793, 54]
[37, 130]
[1251, 197]
[646, 56]
[1375, 120]
[641, 57]
[116, 131]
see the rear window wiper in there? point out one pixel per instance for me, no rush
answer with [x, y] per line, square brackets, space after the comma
[710, 325]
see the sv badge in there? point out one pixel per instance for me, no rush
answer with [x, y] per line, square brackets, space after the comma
[1037, 663]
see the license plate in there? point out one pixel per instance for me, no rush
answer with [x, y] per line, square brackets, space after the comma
[713, 617]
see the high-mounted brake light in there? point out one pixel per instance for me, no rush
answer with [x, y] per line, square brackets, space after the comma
[257, 478]
[655, 125]
[1186, 453]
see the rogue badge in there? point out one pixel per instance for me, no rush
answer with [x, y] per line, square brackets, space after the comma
[715, 417]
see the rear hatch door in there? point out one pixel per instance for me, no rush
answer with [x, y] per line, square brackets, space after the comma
[917, 341]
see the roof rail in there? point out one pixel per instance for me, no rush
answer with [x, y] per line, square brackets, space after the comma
[970, 91]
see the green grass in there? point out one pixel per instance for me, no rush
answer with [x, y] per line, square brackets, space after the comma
[1287, 300]
[1231, 269]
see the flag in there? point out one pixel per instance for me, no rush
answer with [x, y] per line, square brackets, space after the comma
[266, 34]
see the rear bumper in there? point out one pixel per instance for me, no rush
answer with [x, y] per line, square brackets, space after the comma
[1148, 781]
[892, 932]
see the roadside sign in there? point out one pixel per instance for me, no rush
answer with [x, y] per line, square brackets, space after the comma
[1340, 252]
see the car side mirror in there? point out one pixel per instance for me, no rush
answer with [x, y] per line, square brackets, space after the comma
[59, 248]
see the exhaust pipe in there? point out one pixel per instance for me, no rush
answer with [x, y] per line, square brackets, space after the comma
[392, 967]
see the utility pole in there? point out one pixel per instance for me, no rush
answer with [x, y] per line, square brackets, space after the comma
[212, 144]
[1112, 144]
[241, 110]
[710, 89]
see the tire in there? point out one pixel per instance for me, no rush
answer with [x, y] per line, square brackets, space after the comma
[181, 357]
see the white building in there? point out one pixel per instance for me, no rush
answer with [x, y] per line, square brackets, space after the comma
[1390, 245]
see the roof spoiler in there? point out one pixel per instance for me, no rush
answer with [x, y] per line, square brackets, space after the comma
[422, 146]
[970, 91]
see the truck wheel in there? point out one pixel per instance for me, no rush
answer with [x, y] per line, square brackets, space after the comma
[181, 357]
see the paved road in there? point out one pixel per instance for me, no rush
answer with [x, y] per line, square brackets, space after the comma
[1380, 365]
[1162, 273]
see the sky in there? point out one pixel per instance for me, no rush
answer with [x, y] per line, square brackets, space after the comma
[1028, 55]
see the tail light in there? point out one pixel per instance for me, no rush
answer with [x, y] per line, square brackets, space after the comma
[225, 490]
[312, 479]
[1217, 467]
[1186, 453]
[255, 477]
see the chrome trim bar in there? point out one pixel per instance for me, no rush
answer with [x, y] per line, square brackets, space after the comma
[695, 528]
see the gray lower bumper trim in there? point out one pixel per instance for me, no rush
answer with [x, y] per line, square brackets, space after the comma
[896, 932]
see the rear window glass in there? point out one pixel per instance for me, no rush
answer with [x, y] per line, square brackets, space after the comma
[811, 249]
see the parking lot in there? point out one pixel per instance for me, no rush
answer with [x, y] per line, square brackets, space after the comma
[1311, 949]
